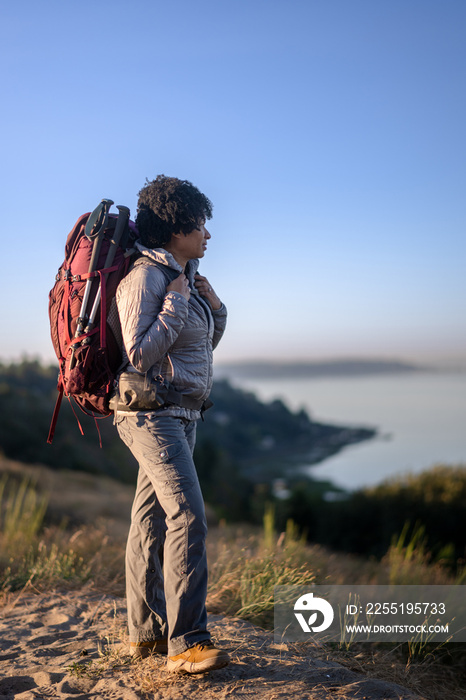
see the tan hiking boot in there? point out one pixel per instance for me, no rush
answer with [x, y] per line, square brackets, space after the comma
[198, 659]
[141, 650]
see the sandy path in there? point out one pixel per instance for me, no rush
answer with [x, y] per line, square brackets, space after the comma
[71, 645]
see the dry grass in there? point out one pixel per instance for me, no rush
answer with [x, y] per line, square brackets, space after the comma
[35, 550]
[245, 564]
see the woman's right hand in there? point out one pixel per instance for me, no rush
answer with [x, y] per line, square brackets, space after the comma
[181, 285]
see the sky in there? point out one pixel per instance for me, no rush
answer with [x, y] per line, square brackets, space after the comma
[329, 135]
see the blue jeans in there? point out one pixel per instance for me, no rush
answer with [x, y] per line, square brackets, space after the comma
[166, 565]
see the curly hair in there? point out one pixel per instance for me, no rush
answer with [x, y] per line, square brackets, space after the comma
[167, 205]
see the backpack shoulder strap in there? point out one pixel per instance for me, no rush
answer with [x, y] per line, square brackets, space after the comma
[169, 273]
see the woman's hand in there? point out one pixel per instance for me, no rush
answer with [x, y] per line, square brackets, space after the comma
[205, 290]
[181, 285]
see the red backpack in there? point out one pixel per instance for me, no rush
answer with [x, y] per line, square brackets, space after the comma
[97, 256]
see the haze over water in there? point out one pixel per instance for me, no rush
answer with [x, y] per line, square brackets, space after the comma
[420, 418]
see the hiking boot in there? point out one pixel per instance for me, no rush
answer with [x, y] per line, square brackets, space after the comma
[141, 650]
[198, 659]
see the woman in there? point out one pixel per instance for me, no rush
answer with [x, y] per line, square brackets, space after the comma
[171, 319]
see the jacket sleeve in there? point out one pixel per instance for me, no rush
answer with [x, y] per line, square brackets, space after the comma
[220, 321]
[151, 319]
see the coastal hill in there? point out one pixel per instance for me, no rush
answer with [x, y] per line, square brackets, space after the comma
[241, 436]
[263, 369]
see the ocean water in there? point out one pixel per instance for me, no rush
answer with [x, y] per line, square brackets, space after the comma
[420, 418]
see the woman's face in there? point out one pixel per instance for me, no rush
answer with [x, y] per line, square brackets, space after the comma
[193, 244]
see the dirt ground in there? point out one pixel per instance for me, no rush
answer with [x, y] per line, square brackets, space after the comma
[72, 645]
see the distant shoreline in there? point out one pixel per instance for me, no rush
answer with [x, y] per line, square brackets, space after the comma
[258, 369]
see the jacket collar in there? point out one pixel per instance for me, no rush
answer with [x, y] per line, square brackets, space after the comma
[161, 255]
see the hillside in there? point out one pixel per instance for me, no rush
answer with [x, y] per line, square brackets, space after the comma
[245, 435]
[63, 627]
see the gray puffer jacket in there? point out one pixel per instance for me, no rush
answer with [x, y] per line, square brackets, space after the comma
[164, 334]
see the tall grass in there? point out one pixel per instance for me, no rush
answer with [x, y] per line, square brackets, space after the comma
[243, 574]
[22, 512]
[409, 562]
[244, 568]
[33, 553]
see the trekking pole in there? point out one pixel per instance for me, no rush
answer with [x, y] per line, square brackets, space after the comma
[95, 228]
[122, 222]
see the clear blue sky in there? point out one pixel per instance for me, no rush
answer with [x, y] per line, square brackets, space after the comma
[329, 134]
